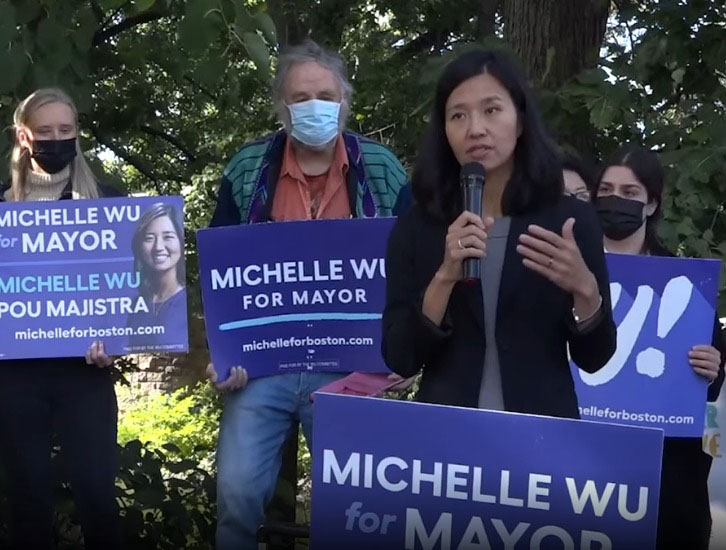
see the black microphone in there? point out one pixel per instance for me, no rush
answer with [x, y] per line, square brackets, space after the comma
[471, 179]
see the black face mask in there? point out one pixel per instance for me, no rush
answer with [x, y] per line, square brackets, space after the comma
[619, 217]
[53, 155]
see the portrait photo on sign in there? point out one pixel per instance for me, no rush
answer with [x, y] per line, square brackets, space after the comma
[158, 251]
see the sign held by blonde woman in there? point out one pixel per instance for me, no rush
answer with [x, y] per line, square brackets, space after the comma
[72, 272]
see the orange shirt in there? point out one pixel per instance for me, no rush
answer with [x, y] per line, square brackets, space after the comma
[301, 197]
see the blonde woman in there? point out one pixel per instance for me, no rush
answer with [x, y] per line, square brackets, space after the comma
[70, 401]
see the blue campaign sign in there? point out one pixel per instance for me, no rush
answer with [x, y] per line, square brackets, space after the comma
[662, 308]
[398, 475]
[74, 272]
[295, 296]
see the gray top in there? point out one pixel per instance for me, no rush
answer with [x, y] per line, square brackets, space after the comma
[490, 393]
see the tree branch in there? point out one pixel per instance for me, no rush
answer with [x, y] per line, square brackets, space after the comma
[124, 155]
[422, 43]
[110, 18]
[201, 88]
[97, 11]
[128, 23]
[170, 139]
[486, 18]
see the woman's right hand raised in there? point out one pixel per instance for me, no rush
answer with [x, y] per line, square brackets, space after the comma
[466, 238]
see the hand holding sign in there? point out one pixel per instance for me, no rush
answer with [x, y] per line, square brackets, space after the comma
[96, 355]
[662, 308]
[77, 272]
[237, 378]
[706, 361]
[285, 307]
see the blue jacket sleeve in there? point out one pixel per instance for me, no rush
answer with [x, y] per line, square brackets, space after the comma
[404, 200]
[226, 211]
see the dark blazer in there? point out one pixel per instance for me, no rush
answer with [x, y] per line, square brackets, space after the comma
[534, 318]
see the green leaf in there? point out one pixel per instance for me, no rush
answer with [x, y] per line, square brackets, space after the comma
[87, 26]
[49, 35]
[196, 30]
[181, 466]
[44, 74]
[134, 446]
[149, 497]
[194, 35]
[27, 11]
[603, 113]
[200, 8]
[112, 4]
[686, 227]
[133, 520]
[243, 21]
[13, 64]
[143, 5]
[593, 77]
[80, 67]
[171, 448]
[211, 71]
[678, 75]
[7, 22]
[257, 50]
[267, 26]
[52, 41]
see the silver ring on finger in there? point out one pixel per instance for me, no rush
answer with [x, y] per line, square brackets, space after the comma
[461, 246]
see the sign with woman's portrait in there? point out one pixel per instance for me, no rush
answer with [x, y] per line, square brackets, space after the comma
[75, 272]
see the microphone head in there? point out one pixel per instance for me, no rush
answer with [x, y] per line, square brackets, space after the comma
[471, 170]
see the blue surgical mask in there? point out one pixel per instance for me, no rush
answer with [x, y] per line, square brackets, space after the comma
[314, 122]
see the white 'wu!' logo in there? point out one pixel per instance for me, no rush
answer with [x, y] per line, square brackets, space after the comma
[650, 362]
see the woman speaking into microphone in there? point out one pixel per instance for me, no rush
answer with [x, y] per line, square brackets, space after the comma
[498, 342]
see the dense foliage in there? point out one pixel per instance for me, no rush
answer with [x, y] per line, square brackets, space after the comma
[169, 89]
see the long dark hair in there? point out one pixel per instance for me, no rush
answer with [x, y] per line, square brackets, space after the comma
[648, 169]
[537, 177]
[156, 211]
[581, 167]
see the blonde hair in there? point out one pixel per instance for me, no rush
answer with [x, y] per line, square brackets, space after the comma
[83, 182]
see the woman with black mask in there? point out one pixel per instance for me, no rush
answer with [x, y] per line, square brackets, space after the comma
[628, 200]
[501, 342]
[72, 399]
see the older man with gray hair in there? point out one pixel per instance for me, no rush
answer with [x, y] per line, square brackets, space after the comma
[313, 169]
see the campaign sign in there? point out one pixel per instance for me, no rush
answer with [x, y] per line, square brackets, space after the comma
[394, 475]
[78, 271]
[662, 308]
[295, 296]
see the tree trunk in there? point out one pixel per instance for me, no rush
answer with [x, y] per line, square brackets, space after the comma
[329, 19]
[291, 30]
[555, 39]
[324, 21]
